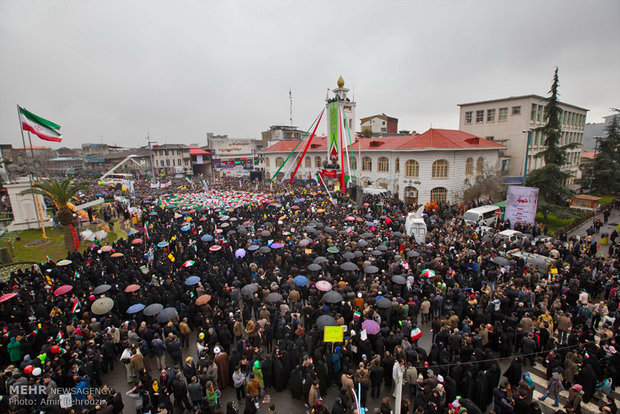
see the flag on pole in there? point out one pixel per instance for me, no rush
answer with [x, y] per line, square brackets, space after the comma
[41, 127]
[76, 306]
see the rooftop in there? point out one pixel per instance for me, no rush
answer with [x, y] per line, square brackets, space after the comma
[197, 151]
[510, 98]
[433, 138]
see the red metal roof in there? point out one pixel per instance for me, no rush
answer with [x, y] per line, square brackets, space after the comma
[197, 151]
[433, 138]
[588, 154]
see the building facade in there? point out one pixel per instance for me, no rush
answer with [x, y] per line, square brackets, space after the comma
[377, 124]
[512, 121]
[234, 157]
[434, 166]
[170, 159]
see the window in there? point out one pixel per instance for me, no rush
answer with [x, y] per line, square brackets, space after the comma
[279, 161]
[179, 162]
[491, 138]
[490, 115]
[186, 163]
[383, 164]
[468, 117]
[439, 194]
[516, 110]
[366, 164]
[533, 113]
[541, 113]
[503, 114]
[397, 165]
[480, 116]
[308, 162]
[168, 162]
[267, 162]
[412, 169]
[440, 169]
[469, 167]
[479, 166]
[173, 162]
[317, 162]
[161, 163]
[353, 163]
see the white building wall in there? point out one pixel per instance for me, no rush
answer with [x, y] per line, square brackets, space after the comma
[396, 181]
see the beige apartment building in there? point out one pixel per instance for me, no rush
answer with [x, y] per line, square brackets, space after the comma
[512, 122]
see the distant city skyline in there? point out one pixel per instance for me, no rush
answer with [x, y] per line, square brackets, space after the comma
[178, 70]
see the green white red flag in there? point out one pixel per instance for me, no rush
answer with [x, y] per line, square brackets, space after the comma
[41, 127]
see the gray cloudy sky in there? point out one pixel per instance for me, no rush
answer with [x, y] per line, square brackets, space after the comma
[109, 71]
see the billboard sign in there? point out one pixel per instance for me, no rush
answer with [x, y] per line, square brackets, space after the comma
[521, 205]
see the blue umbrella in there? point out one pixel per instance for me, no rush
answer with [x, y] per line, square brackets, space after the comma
[253, 247]
[135, 308]
[192, 280]
[206, 238]
[301, 280]
[153, 213]
[186, 228]
[132, 232]
[240, 253]
[163, 244]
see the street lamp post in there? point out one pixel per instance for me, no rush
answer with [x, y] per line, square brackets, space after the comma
[527, 154]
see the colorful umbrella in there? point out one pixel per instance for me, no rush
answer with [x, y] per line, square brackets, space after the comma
[189, 263]
[206, 238]
[163, 244]
[333, 249]
[240, 253]
[136, 241]
[107, 248]
[186, 228]
[202, 299]
[135, 308]
[64, 262]
[276, 245]
[132, 232]
[132, 288]
[428, 273]
[192, 280]
[371, 327]
[215, 248]
[118, 254]
[7, 296]
[301, 280]
[253, 248]
[323, 286]
[62, 290]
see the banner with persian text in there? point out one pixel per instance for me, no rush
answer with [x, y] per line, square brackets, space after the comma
[521, 205]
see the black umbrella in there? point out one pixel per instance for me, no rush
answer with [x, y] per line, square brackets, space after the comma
[367, 235]
[304, 242]
[101, 289]
[384, 303]
[309, 229]
[382, 248]
[502, 261]
[273, 297]
[348, 266]
[329, 230]
[376, 252]
[371, 269]
[250, 289]
[319, 259]
[264, 249]
[397, 234]
[166, 315]
[153, 309]
[349, 255]
[413, 253]
[486, 239]
[268, 224]
[316, 224]
[314, 267]
[368, 216]
[325, 320]
[358, 253]
[332, 297]
[399, 280]
[362, 243]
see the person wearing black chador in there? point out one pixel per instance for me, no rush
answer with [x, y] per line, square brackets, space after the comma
[514, 371]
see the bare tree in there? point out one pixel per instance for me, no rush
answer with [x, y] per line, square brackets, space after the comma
[486, 186]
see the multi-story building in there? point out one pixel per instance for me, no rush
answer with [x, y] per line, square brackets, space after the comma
[378, 124]
[434, 166]
[513, 122]
[280, 132]
[171, 159]
[234, 157]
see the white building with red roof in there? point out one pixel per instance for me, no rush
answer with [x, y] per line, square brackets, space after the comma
[434, 166]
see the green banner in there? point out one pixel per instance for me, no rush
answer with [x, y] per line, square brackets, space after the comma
[332, 149]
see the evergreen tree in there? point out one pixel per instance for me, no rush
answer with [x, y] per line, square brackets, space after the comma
[550, 178]
[603, 173]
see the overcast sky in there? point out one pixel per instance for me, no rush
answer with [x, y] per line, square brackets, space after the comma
[110, 71]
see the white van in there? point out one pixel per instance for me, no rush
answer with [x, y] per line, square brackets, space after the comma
[415, 225]
[513, 236]
[481, 216]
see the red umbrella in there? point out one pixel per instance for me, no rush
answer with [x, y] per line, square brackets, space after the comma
[132, 288]
[7, 296]
[388, 220]
[62, 290]
[136, 241]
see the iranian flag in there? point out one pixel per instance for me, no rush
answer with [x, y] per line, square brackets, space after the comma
[416, 334]
[41, 127]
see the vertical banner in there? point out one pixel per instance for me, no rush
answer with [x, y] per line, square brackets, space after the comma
[332, 148]
[521, 205]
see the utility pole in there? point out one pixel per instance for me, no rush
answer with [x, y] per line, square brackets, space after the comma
[149, 142]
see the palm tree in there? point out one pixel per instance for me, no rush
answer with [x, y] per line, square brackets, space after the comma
[60, 192]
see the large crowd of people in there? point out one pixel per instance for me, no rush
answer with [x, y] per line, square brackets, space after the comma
[196, 304]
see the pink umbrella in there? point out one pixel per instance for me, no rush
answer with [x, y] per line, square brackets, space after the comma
[215, 247]
[323, 286]
[62, 290]
[107, 248]
[136, 241]
[132, 288]
[371, 327]
[350, 218]
[7, 296]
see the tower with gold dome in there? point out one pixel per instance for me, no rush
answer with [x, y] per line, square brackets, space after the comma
[340, 131]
